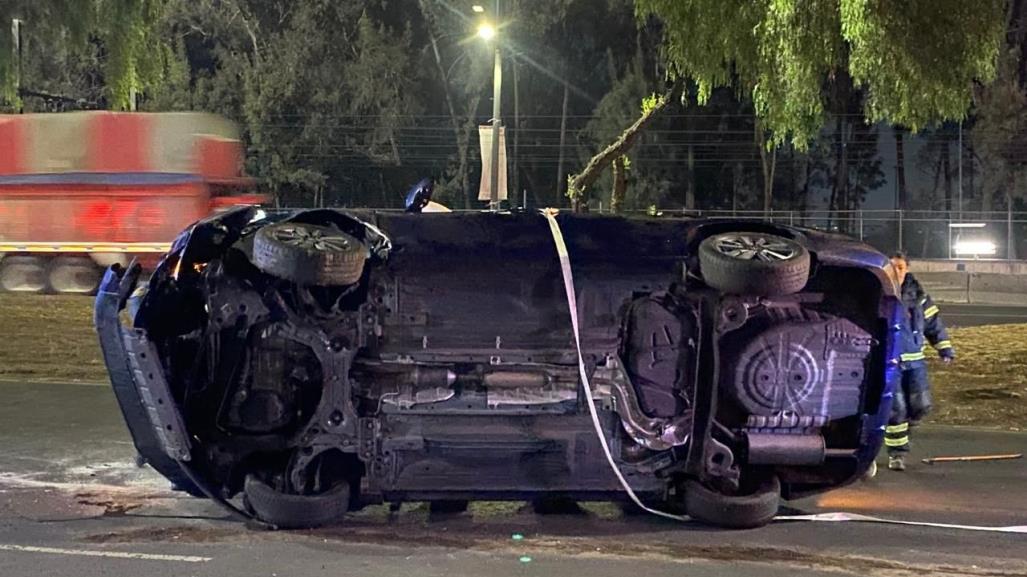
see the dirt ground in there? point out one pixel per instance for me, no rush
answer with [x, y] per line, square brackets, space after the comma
[51, 338]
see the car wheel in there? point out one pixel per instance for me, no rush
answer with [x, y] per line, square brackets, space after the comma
[308, 254]
[286, 511]
[733, 511]
[754, 263]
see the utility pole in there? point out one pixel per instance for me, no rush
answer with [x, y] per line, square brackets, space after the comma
[497, 89]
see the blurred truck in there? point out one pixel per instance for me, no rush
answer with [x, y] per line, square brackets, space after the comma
[80, 191]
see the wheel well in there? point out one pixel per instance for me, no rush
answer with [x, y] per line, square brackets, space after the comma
[704, 231]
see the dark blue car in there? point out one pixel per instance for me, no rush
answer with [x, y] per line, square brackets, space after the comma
[297, 366]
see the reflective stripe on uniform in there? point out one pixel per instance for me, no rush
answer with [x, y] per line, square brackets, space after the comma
[931, 311]
[943, 345]
[908, 357]
[897, 442]
[900, 428]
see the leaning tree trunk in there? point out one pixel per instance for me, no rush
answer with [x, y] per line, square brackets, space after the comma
[578, 184]
[620, 184]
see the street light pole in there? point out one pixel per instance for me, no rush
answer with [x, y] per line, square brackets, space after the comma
[497, 89]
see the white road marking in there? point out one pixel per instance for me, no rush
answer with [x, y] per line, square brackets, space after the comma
[108, 554]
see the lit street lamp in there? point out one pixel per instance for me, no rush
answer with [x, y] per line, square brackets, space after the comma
[488, 33]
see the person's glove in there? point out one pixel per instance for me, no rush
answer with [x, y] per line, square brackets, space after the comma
[947, 355]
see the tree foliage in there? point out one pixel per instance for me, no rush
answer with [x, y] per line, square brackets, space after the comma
[915, 61]
[348, 103]
[132, 53]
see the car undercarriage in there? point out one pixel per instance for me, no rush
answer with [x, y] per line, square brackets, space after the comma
[300, 365]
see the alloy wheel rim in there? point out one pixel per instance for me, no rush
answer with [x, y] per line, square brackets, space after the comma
[754, 247]
[305, 238]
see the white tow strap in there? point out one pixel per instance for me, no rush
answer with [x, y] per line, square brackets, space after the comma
[572, 304]
[840, 517]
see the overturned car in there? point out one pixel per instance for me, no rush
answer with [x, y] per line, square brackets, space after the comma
[297, 366]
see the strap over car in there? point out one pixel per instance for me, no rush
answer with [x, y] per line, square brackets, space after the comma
[572, 305]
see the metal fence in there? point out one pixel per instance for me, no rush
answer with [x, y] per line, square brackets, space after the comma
[921, 234]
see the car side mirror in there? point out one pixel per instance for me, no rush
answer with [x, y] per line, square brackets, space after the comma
[420, 195]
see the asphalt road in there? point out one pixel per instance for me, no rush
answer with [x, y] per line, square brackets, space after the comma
[971, 315]
[73, 504]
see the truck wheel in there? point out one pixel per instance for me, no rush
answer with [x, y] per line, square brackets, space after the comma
[73, 275]
[308, 254]
[22, 274]
[754, 509]
[754, 263]
[286, 511]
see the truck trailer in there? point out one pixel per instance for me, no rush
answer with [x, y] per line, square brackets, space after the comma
[80, 191]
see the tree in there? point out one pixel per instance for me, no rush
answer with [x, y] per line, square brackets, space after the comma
[578, 184]
[132, 54]
[916, 61]
[1000, 125]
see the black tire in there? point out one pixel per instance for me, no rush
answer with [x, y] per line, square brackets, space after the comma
[734, 511]
[762, 264]
[22, 274]
[285, 511]
[308, 254]
[73, 275]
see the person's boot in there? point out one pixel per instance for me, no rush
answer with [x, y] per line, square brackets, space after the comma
[896, 463]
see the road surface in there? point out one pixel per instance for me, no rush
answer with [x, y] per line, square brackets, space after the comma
[73, 504]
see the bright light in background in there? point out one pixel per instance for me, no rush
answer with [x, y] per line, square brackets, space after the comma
[974, 247]
[478, 8]
[486, 31]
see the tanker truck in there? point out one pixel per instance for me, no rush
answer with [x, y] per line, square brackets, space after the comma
[80, 191]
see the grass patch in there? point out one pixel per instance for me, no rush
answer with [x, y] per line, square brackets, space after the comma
[987, 384]
[51, 338]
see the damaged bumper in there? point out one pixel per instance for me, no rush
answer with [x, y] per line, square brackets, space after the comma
[144, 398]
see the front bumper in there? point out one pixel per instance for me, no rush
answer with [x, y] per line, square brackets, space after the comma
[153, 420]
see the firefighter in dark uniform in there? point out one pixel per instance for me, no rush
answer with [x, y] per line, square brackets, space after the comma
[922, 326]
